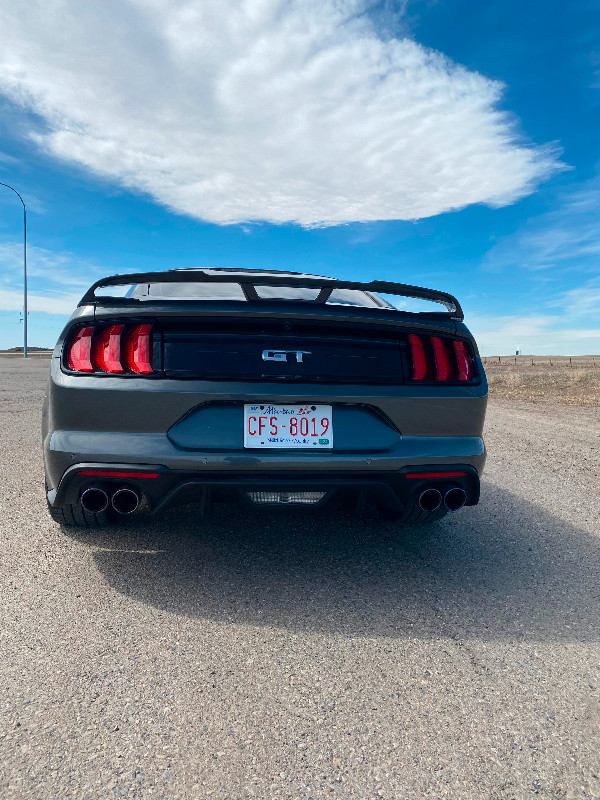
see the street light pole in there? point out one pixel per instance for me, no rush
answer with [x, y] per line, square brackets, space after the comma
[24, 268]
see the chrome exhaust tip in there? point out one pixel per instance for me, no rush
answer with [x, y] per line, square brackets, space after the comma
[125, 501]
[94, 500]
[430, 499]
[455, 498]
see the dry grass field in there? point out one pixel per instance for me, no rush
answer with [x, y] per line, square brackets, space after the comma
[572, 381]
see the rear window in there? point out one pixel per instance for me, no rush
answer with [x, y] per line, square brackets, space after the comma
[233, 291]
[416, 305]
[188, 291]
[353, 297]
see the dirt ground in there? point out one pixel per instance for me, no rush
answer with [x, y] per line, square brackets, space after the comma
[555, 380]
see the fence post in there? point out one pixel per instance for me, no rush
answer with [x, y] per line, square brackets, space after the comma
[532, 362]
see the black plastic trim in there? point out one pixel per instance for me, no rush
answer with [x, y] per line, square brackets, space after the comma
[392, 487]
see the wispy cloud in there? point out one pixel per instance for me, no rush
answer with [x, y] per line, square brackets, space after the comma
[548, 262]
[57, 303]
[263, 109]
[5, 158]
[568, 233]
[584, 301]
[56, 280]
[51, 267]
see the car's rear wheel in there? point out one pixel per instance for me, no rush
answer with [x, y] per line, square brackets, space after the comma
[77, 517]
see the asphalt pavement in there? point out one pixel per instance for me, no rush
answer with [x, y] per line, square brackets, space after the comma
[291, 655]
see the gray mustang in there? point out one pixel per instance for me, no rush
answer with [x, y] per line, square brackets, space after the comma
[271, 388]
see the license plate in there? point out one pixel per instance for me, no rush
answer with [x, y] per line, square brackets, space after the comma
[300, 426]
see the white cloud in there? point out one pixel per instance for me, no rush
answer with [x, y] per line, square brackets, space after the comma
[262, 109]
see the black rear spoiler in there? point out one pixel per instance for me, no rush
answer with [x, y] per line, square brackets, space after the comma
[252, 279]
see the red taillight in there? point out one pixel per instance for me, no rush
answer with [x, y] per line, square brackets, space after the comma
[117, 349]
[442, 364]
[413, 476]
[463, 361]
[107, 349]
[440, 359]
[418, 358]
[79, 354]
[117, 473]
[138, 350]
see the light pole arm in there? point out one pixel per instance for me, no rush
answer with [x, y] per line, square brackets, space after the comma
[24, 267]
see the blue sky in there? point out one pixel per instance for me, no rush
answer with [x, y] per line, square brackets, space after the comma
[446, 144]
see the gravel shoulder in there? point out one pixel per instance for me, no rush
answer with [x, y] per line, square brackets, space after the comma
[276, 655]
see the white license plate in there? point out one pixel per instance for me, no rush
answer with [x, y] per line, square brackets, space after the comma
[307, 426]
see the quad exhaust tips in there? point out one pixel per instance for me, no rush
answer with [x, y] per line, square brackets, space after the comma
[430, 499]
[94, 500]
[125, 501]
[455, 498]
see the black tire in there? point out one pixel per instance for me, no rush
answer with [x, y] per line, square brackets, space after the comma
[77, 517]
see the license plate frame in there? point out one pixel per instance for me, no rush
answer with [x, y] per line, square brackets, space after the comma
[270, 426]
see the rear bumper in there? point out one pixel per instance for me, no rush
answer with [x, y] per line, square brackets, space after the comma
[67, 448]
[164, 488]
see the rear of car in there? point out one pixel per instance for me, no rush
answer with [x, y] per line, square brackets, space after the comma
[264, 388]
